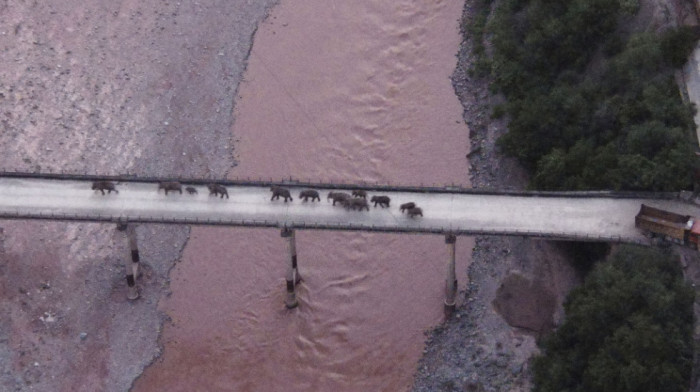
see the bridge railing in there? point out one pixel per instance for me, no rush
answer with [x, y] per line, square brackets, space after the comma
[316, 226]
[261, 182]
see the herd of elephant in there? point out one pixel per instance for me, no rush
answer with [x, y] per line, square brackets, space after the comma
[355, 201]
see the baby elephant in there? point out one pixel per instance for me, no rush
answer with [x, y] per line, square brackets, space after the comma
[415, 211]
[356, 204]
[339, 197]
[103, 186]
[361, 194]
[309, 193]
[383, 201]
[170, 186]
[191, 190]
[407, 206]
[278, 192]
[216, 189]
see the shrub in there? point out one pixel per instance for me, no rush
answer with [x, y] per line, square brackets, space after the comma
[618, 123]
[677, 44]
[627, 328]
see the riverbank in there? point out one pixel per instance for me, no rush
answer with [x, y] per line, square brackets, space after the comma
[82, 90]
[526, 280]
[106, 88]
[510, 278]
[340, 92]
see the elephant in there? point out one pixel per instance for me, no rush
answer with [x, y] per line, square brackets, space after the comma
[170, 186]
[338, 197]
[356, 204]
[407, 206]
[383, 201]
[216, 189]
[278, 192]
[359, 193]
[309, 193]
[415, 211]
[103, 186]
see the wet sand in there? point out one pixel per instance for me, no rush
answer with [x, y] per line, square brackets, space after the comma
[332, 92]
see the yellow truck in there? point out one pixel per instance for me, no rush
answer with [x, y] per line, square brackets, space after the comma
[681, 229]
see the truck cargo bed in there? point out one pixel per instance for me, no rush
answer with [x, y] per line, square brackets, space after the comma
[663, 222]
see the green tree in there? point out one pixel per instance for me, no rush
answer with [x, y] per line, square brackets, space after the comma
[628, 328]
[677, 44]
[614, 123]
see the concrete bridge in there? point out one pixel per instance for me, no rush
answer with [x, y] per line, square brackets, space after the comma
[449, 211]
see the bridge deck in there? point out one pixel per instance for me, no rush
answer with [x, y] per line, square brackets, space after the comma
[461, 213]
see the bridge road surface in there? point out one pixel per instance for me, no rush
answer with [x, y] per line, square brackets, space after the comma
[586, 218]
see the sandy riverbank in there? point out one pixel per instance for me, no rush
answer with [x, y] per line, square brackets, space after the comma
[105, 87]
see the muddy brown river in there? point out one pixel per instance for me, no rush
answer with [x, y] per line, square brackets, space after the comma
[334, 91]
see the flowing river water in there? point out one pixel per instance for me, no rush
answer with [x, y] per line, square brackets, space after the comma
[334, 91]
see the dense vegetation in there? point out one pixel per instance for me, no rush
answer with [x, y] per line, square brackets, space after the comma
[628, 328]
[590, 107]
[594, 106]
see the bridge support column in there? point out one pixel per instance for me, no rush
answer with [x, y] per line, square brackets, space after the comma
[451, 279]
[293, 277]
[131, 261]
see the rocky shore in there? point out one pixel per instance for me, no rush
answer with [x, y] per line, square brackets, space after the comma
[517, 285]
[477, 350]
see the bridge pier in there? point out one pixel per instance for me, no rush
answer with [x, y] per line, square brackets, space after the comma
[451, 279]
[293, 278]
[131, 261]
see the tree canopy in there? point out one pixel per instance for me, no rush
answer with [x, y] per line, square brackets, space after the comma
[628, 329]
[589, 108]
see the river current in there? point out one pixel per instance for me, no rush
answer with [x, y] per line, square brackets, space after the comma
[334, 91]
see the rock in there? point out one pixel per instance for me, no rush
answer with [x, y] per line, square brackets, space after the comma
[473, 386]
[525, 303]
[500, 362]
[83, 335]
[516, 369]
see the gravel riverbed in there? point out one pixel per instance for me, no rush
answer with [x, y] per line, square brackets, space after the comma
[477, 350]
